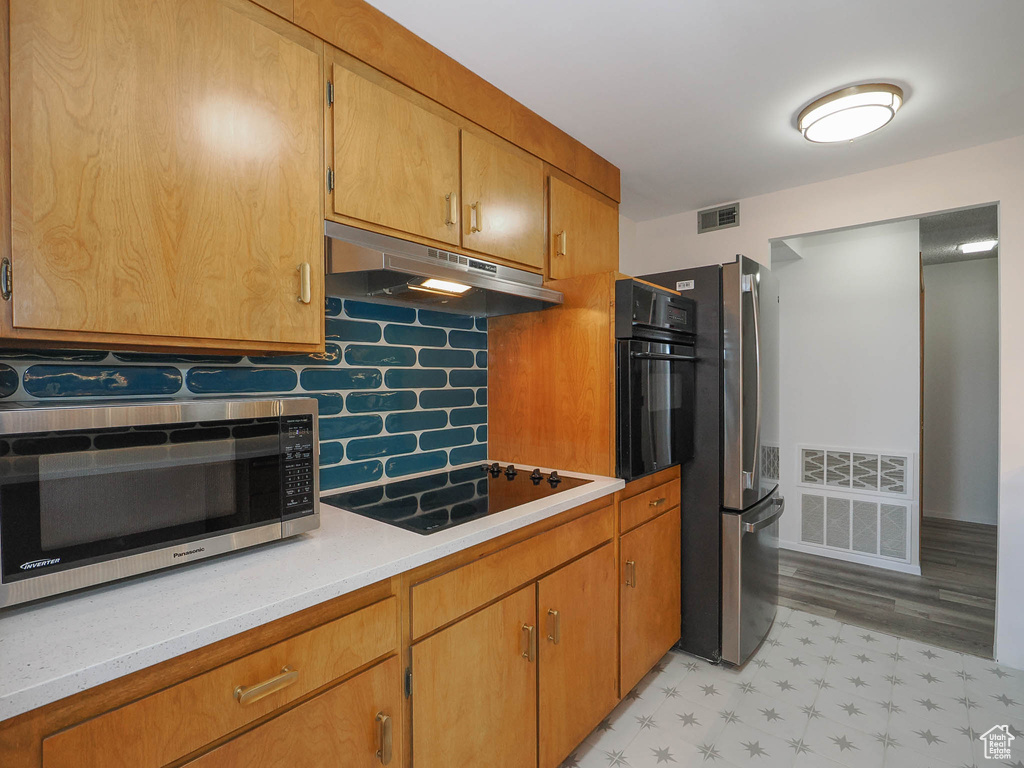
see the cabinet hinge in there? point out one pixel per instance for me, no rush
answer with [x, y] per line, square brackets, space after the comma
[330, 179]
[330, 94]
[408, 682]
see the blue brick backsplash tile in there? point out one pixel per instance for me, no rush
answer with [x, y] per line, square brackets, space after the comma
[400, 391]
[468, 378]
[353, 473]
[460, 417]
[351, 426]
[331, 453]
[375, 402]
[348, 378]
[100, 380]
[208, 381]
[385, 445]
[467, 339]
[352, 330]
[386, 312]
[446, 398]
[8, 381]
[446, 358]
[470, 453]
[415, 335]
[446, 438]
[416, 378]
[416, 462]
[445, 319]
[417, 421]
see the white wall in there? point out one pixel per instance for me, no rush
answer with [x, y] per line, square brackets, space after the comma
[986, 174]
[961, 390]
[627, 242]
[849, 349]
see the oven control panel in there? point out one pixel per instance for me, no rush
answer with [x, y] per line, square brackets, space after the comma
[298, 449]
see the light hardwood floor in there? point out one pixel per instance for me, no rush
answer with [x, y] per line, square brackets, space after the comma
[951, 604]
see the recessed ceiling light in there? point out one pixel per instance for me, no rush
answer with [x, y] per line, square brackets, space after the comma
[979, 247]
[850, 112]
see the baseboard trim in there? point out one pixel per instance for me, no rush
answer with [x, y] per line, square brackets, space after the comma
[851, 557]
[936, 515]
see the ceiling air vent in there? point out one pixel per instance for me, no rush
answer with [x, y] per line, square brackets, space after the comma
[718, 218]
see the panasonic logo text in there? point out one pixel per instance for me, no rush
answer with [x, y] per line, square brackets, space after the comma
[188, 552]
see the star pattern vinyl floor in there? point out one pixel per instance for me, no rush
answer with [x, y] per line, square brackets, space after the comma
[817, 694]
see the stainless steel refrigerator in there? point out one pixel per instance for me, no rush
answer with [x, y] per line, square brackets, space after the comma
[730, 495]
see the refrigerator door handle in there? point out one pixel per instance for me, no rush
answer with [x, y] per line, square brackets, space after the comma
[750, 284]
[764, 522]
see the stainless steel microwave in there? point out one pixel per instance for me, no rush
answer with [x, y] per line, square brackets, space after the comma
[93, 492]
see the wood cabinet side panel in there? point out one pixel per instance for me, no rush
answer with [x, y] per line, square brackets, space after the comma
[554, 374]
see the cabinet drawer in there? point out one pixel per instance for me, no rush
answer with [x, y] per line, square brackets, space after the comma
[444, 598]
[344, 726]
[170, 724]
[644, 506]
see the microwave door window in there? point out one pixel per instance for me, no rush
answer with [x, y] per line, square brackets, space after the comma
[89, 496]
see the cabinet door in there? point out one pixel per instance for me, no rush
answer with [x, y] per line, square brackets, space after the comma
[356, 724]
[474, 700]
[578, 650]
[503, 201]
[395, 163]
[165, 170]
[584, 233]
[650, 595]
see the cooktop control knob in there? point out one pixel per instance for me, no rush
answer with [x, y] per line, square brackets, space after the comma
[511, 472]
[554, 479]
[494, 469]
[536, 476]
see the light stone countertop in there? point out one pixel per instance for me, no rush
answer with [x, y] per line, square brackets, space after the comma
[63, 645]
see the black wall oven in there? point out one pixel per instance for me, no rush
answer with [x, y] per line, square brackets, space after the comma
[655, 378]
[94, 492]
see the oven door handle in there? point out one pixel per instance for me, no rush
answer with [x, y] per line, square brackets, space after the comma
[660, 356]
[764, 522]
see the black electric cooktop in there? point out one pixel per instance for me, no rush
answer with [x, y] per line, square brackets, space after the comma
[434, 502]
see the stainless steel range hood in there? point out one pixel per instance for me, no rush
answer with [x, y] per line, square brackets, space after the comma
[368, 265]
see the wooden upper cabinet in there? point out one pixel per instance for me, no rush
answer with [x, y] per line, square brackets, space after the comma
[474, 699]
[650, 602]
[503, 200]
[395, 163]
[356, 724]
[578, 652]
[584, 232]
[166, 172]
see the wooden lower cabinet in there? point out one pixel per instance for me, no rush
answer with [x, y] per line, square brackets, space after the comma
[357, 724]
[474, 700]
[650, 595]
[578, 652]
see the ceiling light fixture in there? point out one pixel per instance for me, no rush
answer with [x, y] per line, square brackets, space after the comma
[979, 247]
[443, 287]
[849, 113]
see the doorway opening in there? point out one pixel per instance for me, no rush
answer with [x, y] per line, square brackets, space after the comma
[889, 405]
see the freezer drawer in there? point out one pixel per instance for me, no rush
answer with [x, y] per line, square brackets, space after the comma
[750, 576]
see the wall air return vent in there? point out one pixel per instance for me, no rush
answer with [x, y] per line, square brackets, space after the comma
[722, 217]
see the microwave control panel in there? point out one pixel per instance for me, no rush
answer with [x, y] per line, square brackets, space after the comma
[297, 447]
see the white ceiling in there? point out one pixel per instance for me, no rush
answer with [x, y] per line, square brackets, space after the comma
[696, 100]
